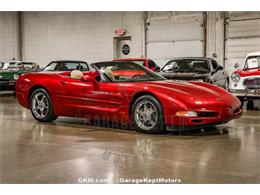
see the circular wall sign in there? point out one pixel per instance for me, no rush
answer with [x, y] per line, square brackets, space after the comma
[125, 49]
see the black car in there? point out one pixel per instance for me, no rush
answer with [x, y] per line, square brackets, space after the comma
[67, 65]
[196, 69]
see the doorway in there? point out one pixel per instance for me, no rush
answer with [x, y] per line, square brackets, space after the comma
[122, 47]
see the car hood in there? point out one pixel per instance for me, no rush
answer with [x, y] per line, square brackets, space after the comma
[8, 74]
[196, 89]
[184, 76]
[248, 73]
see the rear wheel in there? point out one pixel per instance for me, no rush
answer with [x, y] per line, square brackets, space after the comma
[147, 115]
[41, 106]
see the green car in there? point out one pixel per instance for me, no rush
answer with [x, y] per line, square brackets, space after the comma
[11, 71]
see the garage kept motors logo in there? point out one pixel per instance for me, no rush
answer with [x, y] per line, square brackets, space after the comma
[125, 49]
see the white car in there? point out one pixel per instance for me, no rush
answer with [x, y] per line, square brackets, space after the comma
[246, 82]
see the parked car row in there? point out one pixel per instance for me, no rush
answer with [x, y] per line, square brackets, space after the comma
[135, 91]
[190, 69]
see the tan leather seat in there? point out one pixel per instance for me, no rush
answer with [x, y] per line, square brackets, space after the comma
[76, 74]
[109, 73]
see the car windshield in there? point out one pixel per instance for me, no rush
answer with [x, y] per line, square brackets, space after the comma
[187, 65]
[18, 66]
[66, 66]
[252, 62]
[127, 72]
[140, 62]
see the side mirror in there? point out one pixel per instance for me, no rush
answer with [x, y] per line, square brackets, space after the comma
[236, 66]
[157, 69]
[220, 68]
[90, 77]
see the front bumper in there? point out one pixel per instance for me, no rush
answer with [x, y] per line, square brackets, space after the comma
[251, 93]
[7, 85]
[193, 123]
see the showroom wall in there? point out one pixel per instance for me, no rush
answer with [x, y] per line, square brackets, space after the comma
[9, 48]
[174, 34]
[46, 36]
[78, 35]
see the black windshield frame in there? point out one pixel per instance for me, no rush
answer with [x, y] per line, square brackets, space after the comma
[105, 78]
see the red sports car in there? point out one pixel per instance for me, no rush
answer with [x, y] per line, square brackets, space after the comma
[148, 63]
[128, 93]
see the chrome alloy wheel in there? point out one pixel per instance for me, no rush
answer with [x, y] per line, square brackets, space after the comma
[40, 105]
[145, 115]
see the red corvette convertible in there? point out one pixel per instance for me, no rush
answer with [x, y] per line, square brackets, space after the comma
[126, 92]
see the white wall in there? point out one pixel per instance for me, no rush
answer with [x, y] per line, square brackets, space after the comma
[8, 36]
[78, 35]
[215, 36]
[89, 35]
[174, 34]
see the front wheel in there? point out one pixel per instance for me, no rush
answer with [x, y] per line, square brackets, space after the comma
[147, 115]
[241, 101]
[41, 106]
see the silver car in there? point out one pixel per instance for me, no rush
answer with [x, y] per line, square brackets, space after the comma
[196, 69]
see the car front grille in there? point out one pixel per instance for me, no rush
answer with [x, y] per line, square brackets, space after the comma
[207, 114]
[252, 83]
[1, 79]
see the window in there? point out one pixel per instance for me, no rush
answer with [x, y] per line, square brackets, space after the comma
[51, 67]
[19, 65]
[84, 66]
[252, 62]
[187, 65]
[66, 66]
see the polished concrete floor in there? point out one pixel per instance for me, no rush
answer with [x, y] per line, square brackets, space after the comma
[68, 151]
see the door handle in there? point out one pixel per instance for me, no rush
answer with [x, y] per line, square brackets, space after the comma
[64, 82]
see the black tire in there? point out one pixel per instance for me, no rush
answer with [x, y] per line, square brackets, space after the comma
[49, 115]
[241, 101]
[250, 105]
[159, 126]
[226, 87]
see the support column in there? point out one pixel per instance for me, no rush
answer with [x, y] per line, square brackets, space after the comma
[20, 35]
[215, 36]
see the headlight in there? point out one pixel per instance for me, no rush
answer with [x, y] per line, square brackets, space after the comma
[16, 76]
[186, 113]
[235, 77]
